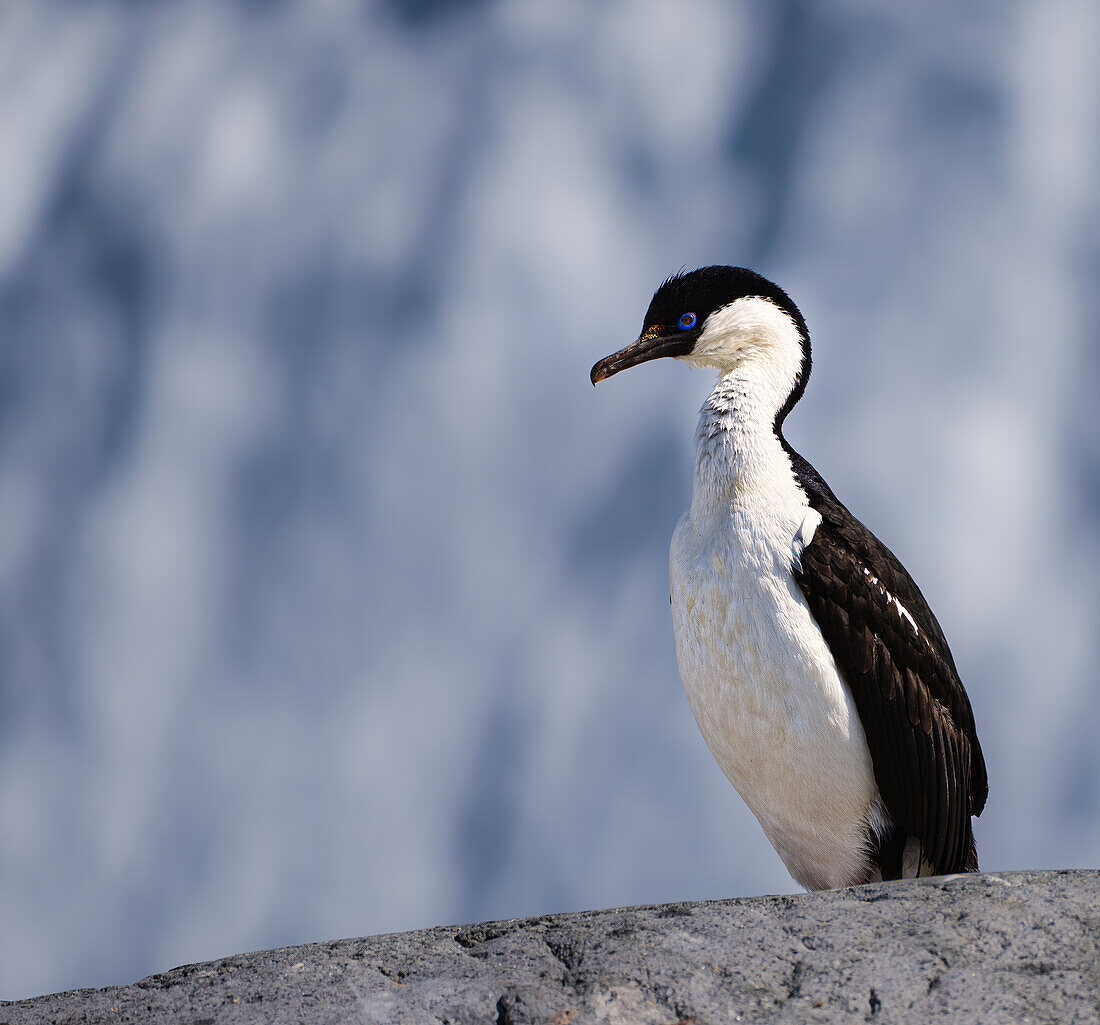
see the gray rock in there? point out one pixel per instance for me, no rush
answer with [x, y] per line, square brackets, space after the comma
[1016, 947]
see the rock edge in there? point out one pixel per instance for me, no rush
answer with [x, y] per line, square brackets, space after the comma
[1010, 947]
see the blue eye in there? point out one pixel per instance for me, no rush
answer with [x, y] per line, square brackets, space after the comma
[686, 321]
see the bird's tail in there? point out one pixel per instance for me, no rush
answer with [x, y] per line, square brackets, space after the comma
[971, 857]
[898, 855]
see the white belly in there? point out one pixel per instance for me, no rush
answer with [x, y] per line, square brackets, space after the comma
[766, 693]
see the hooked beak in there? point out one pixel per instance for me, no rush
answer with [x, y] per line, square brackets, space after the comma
[652, 344]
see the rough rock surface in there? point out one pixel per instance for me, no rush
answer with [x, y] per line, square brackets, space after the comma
[1017, 947]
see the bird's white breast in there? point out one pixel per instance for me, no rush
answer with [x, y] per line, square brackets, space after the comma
[759, 677]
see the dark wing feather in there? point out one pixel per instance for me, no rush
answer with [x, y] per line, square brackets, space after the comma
[915, 713]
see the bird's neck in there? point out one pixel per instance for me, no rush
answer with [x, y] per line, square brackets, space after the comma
[738, 452]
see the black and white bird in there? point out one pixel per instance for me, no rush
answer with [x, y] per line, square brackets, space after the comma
[820, 679]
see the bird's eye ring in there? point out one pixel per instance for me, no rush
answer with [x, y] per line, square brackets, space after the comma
[687, 321]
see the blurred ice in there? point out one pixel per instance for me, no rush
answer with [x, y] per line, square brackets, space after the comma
[332, 598]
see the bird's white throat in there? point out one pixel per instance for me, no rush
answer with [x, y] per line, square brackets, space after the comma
[754, 335]
[757, 350]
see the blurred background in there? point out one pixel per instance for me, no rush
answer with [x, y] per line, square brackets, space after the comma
[333, 599]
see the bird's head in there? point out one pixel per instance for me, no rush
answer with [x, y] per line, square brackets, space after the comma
[723, 318]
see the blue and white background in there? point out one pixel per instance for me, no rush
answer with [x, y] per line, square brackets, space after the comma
[333, 599]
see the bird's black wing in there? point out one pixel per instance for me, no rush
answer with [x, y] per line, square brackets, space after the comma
[892, 654]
